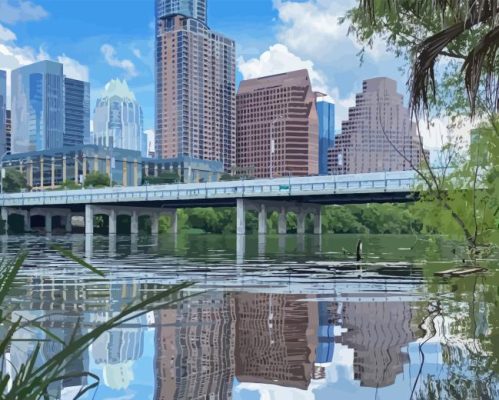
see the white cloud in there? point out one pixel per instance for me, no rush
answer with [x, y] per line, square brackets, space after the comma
[6, 35]
[278, 59]
[137, 53]
[128, 66]
[73, 69]
[12, 11]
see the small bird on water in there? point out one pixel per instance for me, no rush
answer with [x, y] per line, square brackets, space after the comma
[359, 250]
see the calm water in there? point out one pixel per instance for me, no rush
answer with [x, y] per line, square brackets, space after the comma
[268, 318]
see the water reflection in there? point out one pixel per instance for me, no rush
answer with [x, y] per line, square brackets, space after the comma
[280, 322]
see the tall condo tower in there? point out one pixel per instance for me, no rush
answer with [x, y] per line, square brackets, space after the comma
[3, 112]
[37, 107]
[118, 118]
[378, 129]
[195, 85]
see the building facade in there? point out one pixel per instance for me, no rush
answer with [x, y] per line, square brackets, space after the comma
[37, 107]
[277, 126]
[3, 112]
[76, 112]
[378, 135]
[325, 112]
[118, 118]
[195, 85]
[8, 131]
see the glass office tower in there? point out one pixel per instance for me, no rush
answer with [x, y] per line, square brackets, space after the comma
[3, 111]
[77, 112]
[37, 107]
[118, 119]
[325, 112]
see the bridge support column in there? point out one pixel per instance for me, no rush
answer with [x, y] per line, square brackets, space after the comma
[5, 219]
[262, 220]
[48, 223]
[89, 219]
[318, 222]
[155, 224]
[282, 224]
[134, 225]
[27, 222]
[112, 222]
[300, 222]
[69, 223]
[241, 217]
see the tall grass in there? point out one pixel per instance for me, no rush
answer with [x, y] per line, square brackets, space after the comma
[32, 379]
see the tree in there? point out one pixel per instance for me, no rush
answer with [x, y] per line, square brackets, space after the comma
[70, 185]
[14, 181]
[97, 180]
[165, 177]
[451, 50]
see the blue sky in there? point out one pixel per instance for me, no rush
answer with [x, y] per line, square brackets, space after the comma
[105, 39]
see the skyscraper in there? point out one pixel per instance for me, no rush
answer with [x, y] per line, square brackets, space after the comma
[8, 131]
[118, 118]
[37, 107]
[76, 112]
[377, 129]
[325, 112]
[195, 85]
[3, 111]
[277, 126]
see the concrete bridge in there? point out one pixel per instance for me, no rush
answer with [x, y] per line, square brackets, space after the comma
[302, 196]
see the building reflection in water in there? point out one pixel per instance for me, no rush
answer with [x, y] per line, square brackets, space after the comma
[209, 346]
[194, 349]
[117, 349]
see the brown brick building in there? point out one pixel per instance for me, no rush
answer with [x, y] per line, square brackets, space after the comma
[277, 126]
[378, 118]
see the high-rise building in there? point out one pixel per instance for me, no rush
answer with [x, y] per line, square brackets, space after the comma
[325, 112]
[37, 107]
[8, 131]
[3, 112]
[118, 118]
[277, 126]
[195, 85]
[76, 112]
[378, 130]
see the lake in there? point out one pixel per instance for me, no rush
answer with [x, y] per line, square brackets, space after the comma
[268, 318]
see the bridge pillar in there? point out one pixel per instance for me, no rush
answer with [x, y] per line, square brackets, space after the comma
[89, 219]
[282, 223]
[134, 227]
[27, 222]
[112, 222]
[5, 219]
[300, 222]
[48, 222]
[69, 223]
[318, 222]
[241, 217]
[155, 224]
[262, 220]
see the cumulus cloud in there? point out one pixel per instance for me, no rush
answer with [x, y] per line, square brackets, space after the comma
[111, 58]
[6, 35]
[278, 59]
[73, 69]
[12, 11]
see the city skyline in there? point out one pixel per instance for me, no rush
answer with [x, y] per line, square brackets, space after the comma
[104, 55]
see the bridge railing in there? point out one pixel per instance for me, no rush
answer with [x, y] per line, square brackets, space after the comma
[282, 187]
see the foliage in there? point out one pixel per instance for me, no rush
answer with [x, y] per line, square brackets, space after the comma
[14, 181]
[97, 180]
[70, 185]
[424, 32]
[165, 177]
[225, 177]
[33, 379]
